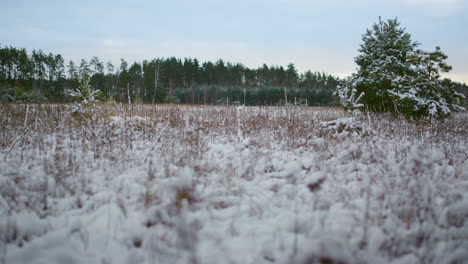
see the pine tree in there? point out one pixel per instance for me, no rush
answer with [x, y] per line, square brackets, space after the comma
[84, 68]
[83, 96]
[423, 93]
[394, 76]
[382, 63]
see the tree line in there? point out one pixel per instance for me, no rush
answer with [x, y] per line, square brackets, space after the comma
[49, 77]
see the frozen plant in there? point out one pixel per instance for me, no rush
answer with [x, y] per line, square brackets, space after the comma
[424, 93]
[83, 96]
[347, 93]
[394, 76]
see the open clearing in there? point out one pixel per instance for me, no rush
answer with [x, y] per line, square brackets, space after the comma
[186, 184]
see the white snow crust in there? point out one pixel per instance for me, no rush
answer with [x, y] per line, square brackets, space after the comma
[213, 187]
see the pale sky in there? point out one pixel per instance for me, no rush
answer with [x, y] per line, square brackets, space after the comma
[316, 35]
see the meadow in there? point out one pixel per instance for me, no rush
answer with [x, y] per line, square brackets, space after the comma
[224, 184]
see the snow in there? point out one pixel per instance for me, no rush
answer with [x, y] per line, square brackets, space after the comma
[305, 185]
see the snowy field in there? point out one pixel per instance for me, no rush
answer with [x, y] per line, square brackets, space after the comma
[186, 184]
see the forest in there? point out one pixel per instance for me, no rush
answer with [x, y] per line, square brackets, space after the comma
[40, 77]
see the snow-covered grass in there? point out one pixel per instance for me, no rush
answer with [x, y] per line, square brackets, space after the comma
[186, 184]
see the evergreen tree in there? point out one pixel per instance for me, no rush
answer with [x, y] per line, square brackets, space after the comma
[72, 71]
[59, 77]
[423, 93]
[291, 76]
[96, 65]
[123, 81]
[110, 80]
[84, 68]
[136, 78]
[382, 63]
[394, 76]
[110, 67]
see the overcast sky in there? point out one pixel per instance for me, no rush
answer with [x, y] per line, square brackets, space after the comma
[317, 35]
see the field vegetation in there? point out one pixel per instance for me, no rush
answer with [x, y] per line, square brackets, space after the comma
[124, 183]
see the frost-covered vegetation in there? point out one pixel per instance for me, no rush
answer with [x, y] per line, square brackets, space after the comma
[83, 97]
[181, 184]
[394, 76]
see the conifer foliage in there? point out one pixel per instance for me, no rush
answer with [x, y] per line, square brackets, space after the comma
[394, 76]
[83, 96]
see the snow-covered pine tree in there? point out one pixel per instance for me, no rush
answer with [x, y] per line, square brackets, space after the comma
[349, 98]
[382, 63]
[423, 93]
[394, 76]
[82, 96]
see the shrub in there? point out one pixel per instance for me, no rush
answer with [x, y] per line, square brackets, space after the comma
[10, 94]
